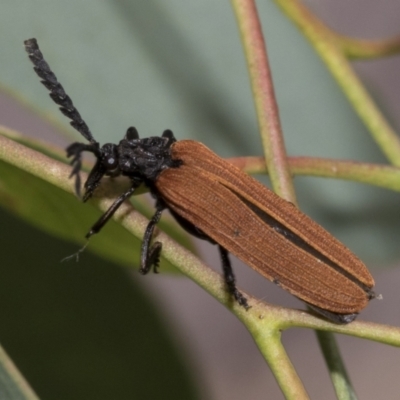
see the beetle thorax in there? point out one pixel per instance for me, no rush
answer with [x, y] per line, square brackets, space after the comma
[145, 157]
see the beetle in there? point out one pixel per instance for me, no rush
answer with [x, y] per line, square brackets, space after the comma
[216, 201]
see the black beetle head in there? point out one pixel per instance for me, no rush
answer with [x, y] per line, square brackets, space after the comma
[107, 164]
[139, 159]
[109, 157]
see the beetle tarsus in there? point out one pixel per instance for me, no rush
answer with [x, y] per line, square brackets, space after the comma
[153, 259]
[150, 255]
[75, 151]
[242, 300]
[230, 280]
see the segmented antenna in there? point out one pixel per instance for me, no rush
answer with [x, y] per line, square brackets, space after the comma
[57, 92]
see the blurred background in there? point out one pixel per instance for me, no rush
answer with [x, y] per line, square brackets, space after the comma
[95, 330]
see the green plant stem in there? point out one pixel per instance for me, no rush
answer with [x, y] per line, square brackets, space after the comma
[264, 98]
[267, 113]
[328, 45]
[383, 176]
[280, 364]
[341, 383]
[368, 49]
[276, 161]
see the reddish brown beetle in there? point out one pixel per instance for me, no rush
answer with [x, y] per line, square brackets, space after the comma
[215, 201]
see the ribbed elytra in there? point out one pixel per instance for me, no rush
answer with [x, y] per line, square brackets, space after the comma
[266, 232]
[215, 201]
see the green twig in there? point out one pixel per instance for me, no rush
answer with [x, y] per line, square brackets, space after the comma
[264, 98]
[383, 176]
[367, 49]
[329, 46]
[333, 50]
[271, 347]
[340, 379]
[268, 119]
[276, 161]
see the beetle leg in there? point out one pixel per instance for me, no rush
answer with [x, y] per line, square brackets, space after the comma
[150, 255]
[111, 211]
[93, 180]
[75, 150]
[230, 278]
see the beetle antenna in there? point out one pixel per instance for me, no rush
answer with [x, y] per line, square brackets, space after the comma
[57, 92]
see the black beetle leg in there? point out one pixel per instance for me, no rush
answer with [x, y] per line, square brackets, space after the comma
[111, 211]
[94, 178]
[75, 150]
[150, 255]
[229, 278]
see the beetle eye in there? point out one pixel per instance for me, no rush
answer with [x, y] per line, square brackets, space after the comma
[111, 162]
